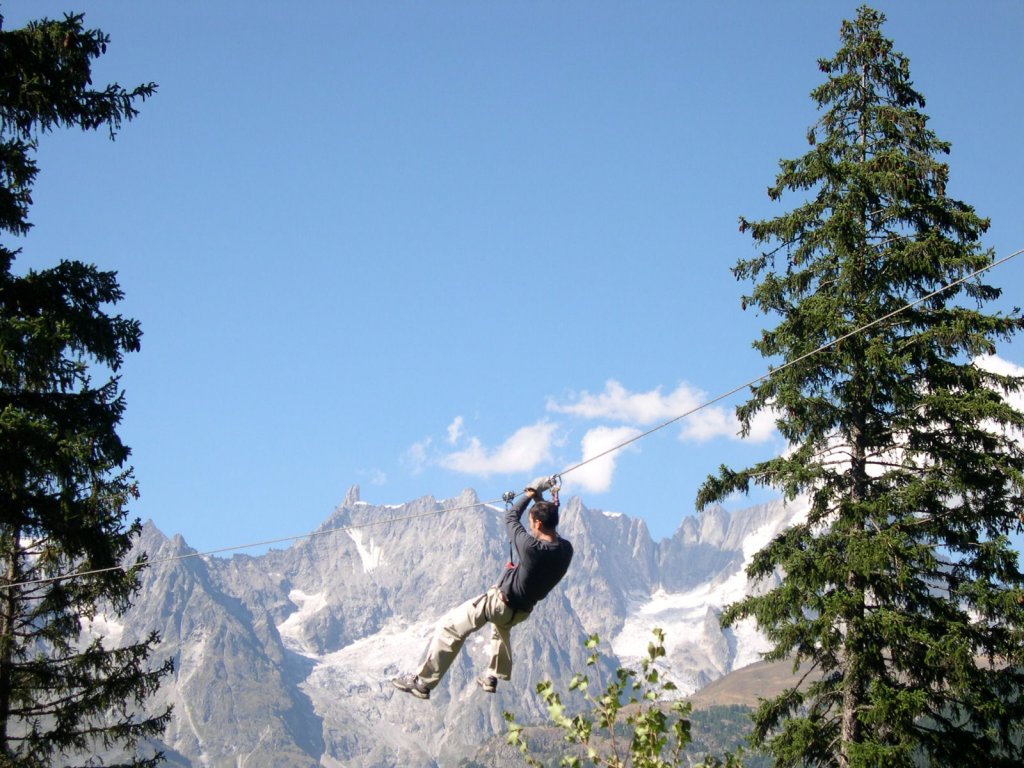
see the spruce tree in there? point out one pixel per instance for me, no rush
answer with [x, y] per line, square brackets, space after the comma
[65, 695]
[901, 586]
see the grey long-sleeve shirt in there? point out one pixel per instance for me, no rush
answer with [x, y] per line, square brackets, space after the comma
[541, 564]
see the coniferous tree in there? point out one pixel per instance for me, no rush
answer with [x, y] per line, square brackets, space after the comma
[64, 483]
[901, 585]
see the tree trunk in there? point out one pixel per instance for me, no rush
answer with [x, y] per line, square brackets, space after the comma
[854, 682]
[8, 614]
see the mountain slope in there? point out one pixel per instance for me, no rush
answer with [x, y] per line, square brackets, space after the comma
[284, 659]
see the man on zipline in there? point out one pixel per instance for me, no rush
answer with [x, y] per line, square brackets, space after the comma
[544, 558]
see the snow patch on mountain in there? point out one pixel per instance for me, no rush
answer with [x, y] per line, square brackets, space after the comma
[750, 643]
[697, 648]
[683, 617]
[368, 663]
[369, 552]
[103, 626]
[291, 628]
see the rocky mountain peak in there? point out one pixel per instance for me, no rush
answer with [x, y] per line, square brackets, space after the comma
[352, 497]
[286, 656]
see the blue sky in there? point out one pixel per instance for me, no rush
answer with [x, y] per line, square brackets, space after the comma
[422, 247]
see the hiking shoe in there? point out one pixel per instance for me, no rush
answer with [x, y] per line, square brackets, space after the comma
[489, 683]
[410, 683]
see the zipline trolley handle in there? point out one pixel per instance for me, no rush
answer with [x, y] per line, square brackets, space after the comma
[556, 486]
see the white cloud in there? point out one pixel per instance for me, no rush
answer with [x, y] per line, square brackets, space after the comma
[375, 476]
[525, 449]
[619, 404]
[455, 430]
[417, 457]
[534, 445]
[762, 426]
[709, 423]
[596, 476]
[645, 408]
[996, 364]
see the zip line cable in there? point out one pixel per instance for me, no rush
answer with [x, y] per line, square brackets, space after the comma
[572, 468]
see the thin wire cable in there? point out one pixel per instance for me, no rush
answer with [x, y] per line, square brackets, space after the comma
[792, 362]
[573, 468]
[267, 542]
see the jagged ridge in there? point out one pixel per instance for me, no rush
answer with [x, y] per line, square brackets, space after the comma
[283, 659]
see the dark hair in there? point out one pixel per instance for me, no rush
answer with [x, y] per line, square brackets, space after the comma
[546, 513]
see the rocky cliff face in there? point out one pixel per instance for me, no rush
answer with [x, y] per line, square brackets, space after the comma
[284, 660]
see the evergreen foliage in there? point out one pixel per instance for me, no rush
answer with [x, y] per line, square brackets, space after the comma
[901, 587]
[64, 483]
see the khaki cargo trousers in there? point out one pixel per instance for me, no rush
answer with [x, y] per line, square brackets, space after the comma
[462, 621]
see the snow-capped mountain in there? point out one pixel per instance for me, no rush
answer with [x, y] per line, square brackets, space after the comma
[285, 659]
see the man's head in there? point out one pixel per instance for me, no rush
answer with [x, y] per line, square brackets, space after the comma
[546, 515]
